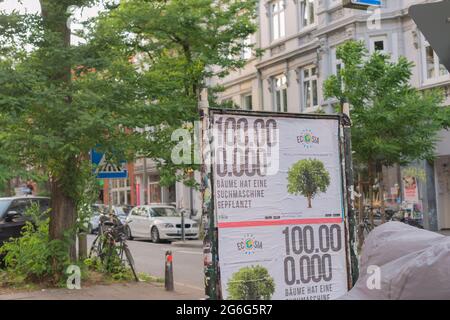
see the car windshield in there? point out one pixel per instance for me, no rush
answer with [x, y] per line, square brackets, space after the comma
[4, 204]
[165, 212]
[120, 211]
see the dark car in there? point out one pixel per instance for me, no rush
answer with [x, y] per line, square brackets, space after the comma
[12, 214]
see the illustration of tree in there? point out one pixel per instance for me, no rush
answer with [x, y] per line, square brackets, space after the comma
[308, 177]
[251, 283]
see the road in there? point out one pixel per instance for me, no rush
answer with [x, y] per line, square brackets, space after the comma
[149, 258]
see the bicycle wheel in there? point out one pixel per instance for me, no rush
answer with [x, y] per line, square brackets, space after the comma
[130, 261]
[95, 247]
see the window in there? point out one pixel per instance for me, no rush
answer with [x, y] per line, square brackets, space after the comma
[307, 13]
[164, 212]
[155, 192]
[247, 103]
[433, 68]
[277, 13]
[280, 90]
[336, 64]
[172, 194]
[120, 189]
[378, 44]
[140, 212]
[310, 96]
[20, 206]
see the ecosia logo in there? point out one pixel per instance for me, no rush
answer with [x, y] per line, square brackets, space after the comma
[307, 139]
[249, 245]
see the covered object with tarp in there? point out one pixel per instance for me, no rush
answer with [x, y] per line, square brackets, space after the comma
[399, 261]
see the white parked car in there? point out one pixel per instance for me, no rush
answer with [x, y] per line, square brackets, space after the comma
[159, 222]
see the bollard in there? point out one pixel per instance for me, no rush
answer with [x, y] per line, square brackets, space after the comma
[82, 246]
[168, 281]
[182, 227]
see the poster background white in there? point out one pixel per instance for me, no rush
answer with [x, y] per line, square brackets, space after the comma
[277, 200]
[272, 255]
[278, 205]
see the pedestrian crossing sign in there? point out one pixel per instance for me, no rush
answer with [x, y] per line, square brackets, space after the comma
[106, 169]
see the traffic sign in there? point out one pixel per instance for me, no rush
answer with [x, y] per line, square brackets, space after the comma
[361, 4]
[105, 169]
[433, 20]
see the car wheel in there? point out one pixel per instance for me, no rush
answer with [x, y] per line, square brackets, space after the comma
[129, 235]
[155, 235]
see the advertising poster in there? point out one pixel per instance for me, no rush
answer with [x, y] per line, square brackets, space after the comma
[410, 191]
[279, 207]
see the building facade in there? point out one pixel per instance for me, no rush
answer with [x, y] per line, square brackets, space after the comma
[299, 40]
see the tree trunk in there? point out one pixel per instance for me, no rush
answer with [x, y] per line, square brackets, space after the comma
[9, 188]
[63, 214]
[63, 218]
[309, 202]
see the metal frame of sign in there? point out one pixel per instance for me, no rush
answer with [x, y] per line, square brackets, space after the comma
[212, 271]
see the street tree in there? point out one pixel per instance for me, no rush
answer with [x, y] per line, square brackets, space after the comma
[142, 64]
[176, 45]
[308, 177]
[251, 283]
[392, 122]
[53, 110]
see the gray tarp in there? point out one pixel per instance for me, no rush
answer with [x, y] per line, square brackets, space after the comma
[413, 264]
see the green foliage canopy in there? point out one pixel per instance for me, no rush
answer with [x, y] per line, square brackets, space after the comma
[392, 122]
[143, 64]
[175, 46]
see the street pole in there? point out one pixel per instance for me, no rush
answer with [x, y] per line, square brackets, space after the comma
[210, 240]
[110, 197]
[348, 160]
[182, 226]
[145, 182]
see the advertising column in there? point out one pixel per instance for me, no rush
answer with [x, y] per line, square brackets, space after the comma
[279, 207]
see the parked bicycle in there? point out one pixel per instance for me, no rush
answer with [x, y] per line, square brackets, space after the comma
[366, 226]
[110, 246]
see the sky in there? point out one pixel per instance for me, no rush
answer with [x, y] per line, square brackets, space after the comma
[33, 6]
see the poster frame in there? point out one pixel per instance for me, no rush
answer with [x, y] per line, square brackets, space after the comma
[213, 290]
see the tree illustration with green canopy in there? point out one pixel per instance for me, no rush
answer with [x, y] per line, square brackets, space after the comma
[308, 177]
[251, 283]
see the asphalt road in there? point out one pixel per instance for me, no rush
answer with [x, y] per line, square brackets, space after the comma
[149, 258]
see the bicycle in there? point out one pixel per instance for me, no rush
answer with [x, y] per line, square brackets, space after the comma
[366, 226]
[110, 244]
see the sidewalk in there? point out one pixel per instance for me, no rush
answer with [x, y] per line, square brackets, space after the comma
[125, 291]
